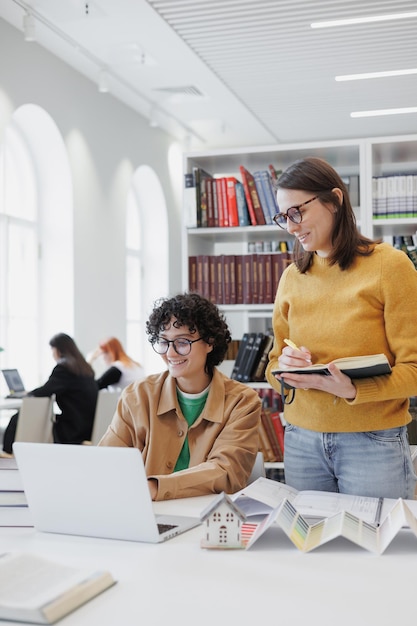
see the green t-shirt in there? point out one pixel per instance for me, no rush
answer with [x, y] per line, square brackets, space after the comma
[191, 407]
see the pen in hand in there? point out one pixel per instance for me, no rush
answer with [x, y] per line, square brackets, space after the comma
[294, 347]
[291, 344]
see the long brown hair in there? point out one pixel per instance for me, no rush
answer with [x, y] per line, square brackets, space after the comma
[70, 356]
[316, 175]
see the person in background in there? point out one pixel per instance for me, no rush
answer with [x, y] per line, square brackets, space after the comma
[121, 369]
[72, 382]
[196, 428]
[344, 295]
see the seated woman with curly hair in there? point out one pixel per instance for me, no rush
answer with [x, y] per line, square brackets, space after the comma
[196, 428]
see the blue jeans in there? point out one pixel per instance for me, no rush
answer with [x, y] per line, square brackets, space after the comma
[376, 463]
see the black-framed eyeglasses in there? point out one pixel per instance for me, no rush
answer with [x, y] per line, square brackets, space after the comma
[293, 213]
[181, 346]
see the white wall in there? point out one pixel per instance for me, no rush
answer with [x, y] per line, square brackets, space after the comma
[106, 142]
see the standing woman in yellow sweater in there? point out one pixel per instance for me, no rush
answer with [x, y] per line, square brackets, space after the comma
[344, 295]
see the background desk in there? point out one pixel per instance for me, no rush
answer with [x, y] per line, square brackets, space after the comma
[177, 582]
[9, 404]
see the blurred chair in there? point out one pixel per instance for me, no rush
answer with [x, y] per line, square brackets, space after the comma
[35, 420]
[258, 469]
[105, 409]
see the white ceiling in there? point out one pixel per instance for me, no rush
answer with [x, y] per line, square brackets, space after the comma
[230, 73]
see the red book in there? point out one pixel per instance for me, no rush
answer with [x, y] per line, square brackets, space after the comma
[254, 206]
[232, 201]
[273, 172]
[279, 429]
[272, 435]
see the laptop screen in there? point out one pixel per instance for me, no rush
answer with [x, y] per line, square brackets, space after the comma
[13, 380]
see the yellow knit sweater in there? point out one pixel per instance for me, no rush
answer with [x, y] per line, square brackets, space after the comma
[369, 308]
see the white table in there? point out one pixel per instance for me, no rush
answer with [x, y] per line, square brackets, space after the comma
[8, 404]
[178, 582]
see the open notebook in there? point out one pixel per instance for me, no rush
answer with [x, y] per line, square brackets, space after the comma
[92, 491]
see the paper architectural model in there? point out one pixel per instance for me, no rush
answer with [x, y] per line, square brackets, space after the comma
[226, 526]
[307, 536]
[223, 523]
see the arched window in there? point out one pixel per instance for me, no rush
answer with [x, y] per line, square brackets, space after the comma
[146, 261]
[36, 297]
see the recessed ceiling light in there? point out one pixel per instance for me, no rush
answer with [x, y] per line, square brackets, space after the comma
[364, 20]
[384, 112]
[368, 75]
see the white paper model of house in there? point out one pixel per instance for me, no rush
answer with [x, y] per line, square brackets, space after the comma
[223, 520]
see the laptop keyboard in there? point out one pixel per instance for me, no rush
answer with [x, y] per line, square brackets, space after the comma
[164, 527]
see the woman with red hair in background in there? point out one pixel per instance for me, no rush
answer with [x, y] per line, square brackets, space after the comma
[121, 368]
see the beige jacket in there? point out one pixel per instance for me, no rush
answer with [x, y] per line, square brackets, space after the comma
[223, 441]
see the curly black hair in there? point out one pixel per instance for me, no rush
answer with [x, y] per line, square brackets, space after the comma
[199, 315]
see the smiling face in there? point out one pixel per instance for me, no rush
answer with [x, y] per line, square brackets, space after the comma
[315, 230]
[189, 370]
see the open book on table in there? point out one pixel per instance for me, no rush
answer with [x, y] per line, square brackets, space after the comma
[34, 589]
[264, 495]
[353, 366]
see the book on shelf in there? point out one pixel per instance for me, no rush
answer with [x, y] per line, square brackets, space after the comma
[192, 273]
[252, 356]
[232, 207]
[354, 367]
[200, 178]
[278, 426]
[212, 278]
[218, 283]
[275, 447]
[274, 172]
[221, 192]
[37, 590]
[268, 194]
[254, 206]
[258, 374]
[238, 278]
[265, 444]
[239, 357]
[212, 218]
[262, 197]
[249, 284]
[242, 205]
[246, 356]
[190, 200]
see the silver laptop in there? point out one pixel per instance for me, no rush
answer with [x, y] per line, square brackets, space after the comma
[15, 383]
[92, 491]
